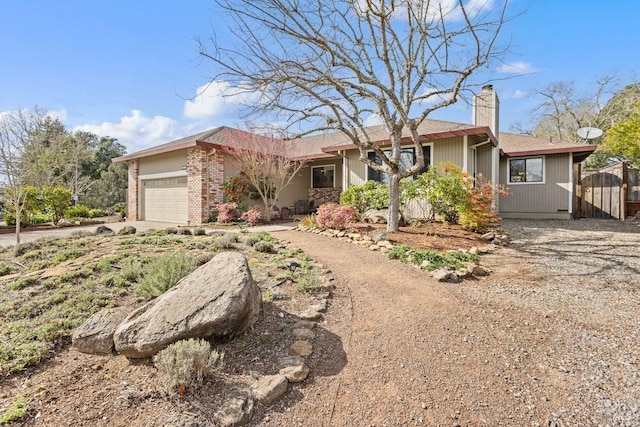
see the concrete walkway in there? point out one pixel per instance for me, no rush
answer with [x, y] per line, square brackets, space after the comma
[28, 235]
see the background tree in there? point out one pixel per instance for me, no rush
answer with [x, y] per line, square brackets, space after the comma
[623, 139]
[109, 190]
[563, 110]
[332, 65]
[266, 165]
[16, 131]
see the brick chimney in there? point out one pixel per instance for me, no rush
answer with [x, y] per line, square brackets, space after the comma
[486, 109]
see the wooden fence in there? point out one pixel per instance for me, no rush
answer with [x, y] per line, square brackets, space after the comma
[612, 192]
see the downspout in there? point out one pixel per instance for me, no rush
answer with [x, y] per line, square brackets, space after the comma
[465, 154]
[571, 185]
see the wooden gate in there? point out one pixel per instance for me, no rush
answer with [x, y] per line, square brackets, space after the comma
[604, 193]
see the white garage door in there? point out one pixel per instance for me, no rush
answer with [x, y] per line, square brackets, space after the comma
[165, 200]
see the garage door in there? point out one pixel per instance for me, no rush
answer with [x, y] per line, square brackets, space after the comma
[165, 200]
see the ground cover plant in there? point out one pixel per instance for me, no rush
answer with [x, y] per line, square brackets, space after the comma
[49, 287]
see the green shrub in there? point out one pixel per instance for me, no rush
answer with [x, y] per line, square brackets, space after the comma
[171, 230]
[204, 258]
[263, 246]
[6, 268]
[307, 280]
[232, 236]
[185, 231]
[24, 282]
[199, 231]
[400, 252]
[184, 364]
[163, 273]
[224, 242]
[57, 200]
[78, 211]
[16, 411]
[131, 269]
[96, 213]
[370, 195]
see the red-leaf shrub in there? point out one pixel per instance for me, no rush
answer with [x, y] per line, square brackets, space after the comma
[333, 215]
[253, 215]
[228, 212]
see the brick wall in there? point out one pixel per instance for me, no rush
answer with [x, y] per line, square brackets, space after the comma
[132, 192]
[320, 196]
[205, 174]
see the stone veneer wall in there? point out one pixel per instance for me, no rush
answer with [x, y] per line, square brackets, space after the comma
[205, 174]
[320, 196]
[132, 193]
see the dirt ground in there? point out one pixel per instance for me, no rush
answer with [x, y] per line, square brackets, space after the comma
[550, 338]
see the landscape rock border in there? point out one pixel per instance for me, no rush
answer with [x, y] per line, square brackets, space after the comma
[380, 243]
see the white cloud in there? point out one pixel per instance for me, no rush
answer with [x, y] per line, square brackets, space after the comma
[373, 120]
[449, 10]
[58, 114]
[519, 94]
[217, 98]
[136, 131]
[431, 98]
[517, 67]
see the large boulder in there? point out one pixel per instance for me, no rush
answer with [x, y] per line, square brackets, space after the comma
[218, 300]
[95, 335]
[376, 216]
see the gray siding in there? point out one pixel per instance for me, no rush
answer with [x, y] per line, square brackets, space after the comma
[448, 150]
[483, 161]
[548, 200]
[356, 169]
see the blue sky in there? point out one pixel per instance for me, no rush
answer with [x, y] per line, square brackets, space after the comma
[128, 69]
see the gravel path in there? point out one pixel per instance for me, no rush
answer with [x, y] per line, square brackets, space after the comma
[550, 338]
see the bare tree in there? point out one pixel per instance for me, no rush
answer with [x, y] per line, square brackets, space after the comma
[332, 65]
[16, 129]
[267, 165]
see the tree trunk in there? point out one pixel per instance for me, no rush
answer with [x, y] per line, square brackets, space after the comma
[18, 223]
[393, 219]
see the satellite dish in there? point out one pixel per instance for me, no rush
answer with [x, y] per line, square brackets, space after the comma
[589, 133]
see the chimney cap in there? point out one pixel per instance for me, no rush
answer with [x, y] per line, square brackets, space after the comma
[487, 88]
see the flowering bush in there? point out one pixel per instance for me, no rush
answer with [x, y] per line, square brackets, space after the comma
[456, 197]
[236, 188]
[228, 212]
[333, 215]
[253, 215]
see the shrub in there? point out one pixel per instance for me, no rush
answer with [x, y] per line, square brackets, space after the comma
[185, 363]
[213, 216]
[185, 231]
[199, 231]
[307, 280]
[455, 196]
[162, 273]
[332, 215]
[253, 215]
[15, 412]
[131, 269]
[78, 211]
[204, 258]
[228, 212]
[263, 246]
[171, 230]
[96, 213]
[223, 242]
[309, 221]
[370, 195]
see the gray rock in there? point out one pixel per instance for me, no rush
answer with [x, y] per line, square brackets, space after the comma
[295, 374]
[441, 275]
[127, 229]
[378, 237]
[304, 333]
[304, 324]
[95, 335]
[270, 388]
[219, 300]
[489, 236]
[236, 411]
[289, 361]
[310, 314]
[376, 216]
[301, 348]
[103, 229]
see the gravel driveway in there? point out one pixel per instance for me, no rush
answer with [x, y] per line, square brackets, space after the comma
[550, 338]
[583, 275]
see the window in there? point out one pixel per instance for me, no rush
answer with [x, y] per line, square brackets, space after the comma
[407, 159]
[529, 170]
[322, 176]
